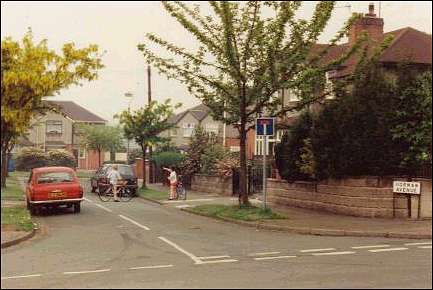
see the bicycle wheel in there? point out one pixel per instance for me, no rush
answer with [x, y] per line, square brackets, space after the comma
[181, 193]
[105, 195]
[125, 194]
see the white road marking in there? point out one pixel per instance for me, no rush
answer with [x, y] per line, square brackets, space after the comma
[183, 206]
[86, 199]
[213, 257]
[334, 253]
[373, 246]
[134, 222]
[24, 276]
[103, 207]
[151, 267]
[387, 250]
[418, 244]
[317, 250]
[263, 254]
[87, 272]
[425, 247]
[273, 258]
[192, 256]
[217, 261]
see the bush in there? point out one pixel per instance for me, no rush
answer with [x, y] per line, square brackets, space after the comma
[61, 158]
[168, 159]
[29, 158]
[211, 156]
[290, 153]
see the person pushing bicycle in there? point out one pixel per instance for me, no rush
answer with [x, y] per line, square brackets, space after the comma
[114, 177]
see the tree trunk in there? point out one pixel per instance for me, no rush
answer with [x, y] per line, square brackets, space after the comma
[144, 168]
[99, 158]
[243, 193]
[4, 167]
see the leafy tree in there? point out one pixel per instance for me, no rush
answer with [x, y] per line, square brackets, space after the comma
[243, 59]
[414, 119]
[31, 71]
[211, 155]
[101, 138]
[144, 125]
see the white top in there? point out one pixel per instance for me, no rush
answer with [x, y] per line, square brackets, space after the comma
[172, 177]
[114, 176]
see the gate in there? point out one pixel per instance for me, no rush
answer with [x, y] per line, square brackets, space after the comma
[254, 179]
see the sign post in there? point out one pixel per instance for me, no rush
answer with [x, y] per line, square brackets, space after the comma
[265, 127]
[410, 189]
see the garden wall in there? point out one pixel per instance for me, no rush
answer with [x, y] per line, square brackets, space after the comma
[364, 197]
[212, 184]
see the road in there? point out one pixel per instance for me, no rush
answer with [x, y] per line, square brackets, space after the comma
[140, 244]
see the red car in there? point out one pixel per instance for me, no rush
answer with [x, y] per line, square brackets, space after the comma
[53, 187]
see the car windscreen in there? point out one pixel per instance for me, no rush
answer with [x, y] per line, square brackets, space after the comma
[55, 177]
[125, 170]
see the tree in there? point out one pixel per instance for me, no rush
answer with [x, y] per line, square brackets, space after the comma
[145, 124]
[243, 59]
[31, 71]
[101, 138]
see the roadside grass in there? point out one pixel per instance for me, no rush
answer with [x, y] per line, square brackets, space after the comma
[153, 194]
[19, 217]
[13, 190]
[250, 213]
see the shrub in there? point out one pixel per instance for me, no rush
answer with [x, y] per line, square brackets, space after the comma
[29, 158]
[211, 156]
[168, 159]
[289, 152]
[225, 166]
[61, 158]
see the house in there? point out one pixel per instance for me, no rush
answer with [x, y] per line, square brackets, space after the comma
[60, 131]
[186, 121]
[408, 46]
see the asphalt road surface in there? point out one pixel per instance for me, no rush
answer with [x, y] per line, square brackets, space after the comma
[139, 244]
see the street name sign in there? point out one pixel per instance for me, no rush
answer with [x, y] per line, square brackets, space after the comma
[406, 187]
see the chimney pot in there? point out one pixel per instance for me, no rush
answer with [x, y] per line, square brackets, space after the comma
[371, 10]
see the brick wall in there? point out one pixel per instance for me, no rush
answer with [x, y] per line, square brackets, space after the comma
[364, 197]
[212, 184]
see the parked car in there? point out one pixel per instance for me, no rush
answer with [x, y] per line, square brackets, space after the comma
[100, 179]
[53, 187]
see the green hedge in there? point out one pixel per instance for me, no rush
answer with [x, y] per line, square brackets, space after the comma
[29, 158]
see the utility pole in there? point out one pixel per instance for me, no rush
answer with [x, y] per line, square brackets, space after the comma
[149, 100]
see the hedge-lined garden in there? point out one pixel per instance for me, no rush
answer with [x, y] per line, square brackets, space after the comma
[29, 158]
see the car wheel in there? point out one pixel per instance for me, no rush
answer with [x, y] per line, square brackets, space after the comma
[77, 208]
[33, 209]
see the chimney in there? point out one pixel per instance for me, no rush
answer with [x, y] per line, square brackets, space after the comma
[368, 23]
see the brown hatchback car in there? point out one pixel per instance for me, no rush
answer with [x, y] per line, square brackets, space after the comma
[100, 179]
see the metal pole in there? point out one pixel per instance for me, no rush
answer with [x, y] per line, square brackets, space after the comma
[149, 100]
[264, 166]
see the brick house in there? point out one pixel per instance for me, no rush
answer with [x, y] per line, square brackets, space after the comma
[59, 131]
[409, 46]
[190, 119]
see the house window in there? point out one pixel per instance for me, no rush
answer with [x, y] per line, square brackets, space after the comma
[188, 128]
[212, 128]
[329, 85]
[81, 152]
[173, 132]
[54, 127]
[272, 141]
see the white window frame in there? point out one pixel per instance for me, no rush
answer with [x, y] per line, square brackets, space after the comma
[212, 128]
[173, 132]
[57, 123]
[258, 150]
[329, 86]
[82, 153]
[188, 129]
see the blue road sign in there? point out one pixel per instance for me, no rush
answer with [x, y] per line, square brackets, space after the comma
[265, 126]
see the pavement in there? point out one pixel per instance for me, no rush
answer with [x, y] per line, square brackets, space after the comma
[314, 222]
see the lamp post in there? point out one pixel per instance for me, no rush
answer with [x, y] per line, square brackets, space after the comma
[128, 95]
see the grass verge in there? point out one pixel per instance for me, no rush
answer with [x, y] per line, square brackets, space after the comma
[250, 213]
[13, 190]
[19, 217]
[153, 194]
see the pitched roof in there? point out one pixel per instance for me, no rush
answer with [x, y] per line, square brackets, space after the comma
[76, 112]
[408, 44]
[199, 112]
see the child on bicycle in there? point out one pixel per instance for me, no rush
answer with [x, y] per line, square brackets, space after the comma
[173, 182]
[114, 177]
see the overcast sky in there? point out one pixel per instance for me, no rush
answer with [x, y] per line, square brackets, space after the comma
[117, 27]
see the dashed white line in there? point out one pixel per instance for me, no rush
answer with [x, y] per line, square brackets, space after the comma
[87, 272]
[134, 222]
[387, 250]
[192, 256]
[273, 258]
[151, 267]
[425, 247]
[217, 261]
[86, 199]
[183, 206]
[263, 253]
[23, 276]
[103, 207]
[333, 253]
[201, 199]
[369, 247]
[213, 257]
[317, 250]
[417, 244]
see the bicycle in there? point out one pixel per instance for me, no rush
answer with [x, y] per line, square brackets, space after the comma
[123, 193]
[180, 191]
